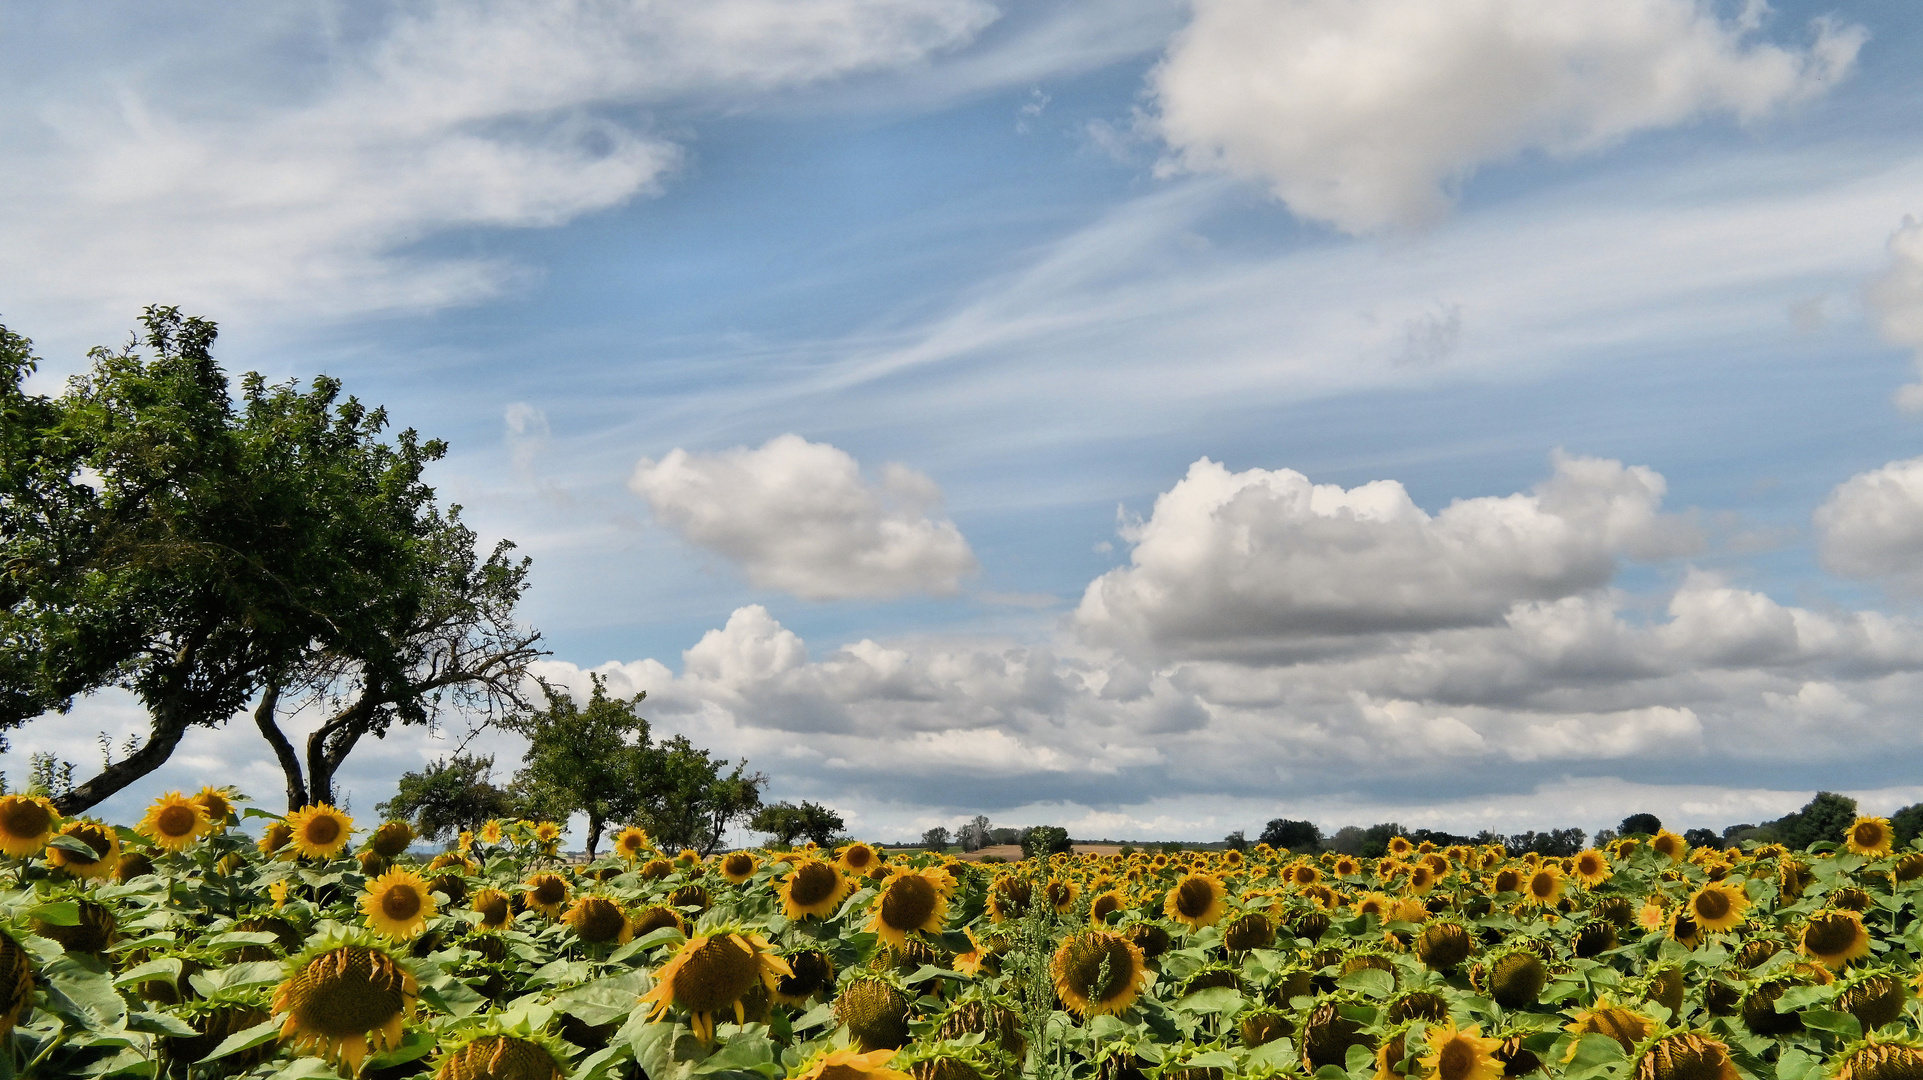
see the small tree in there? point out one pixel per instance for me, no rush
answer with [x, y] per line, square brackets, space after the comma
[1236, 841]
[936, 839]
[1045, 840]
[1708, 838]
[975, 835]
[1297, 836]
[788, 823]
[1375, 841]
[1827, 817]
[1907, 824]
[1640, 825]
[594, 760]
[449, 796]
[687, 801]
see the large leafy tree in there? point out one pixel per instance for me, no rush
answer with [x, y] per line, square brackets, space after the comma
[692, 796]
[594, 759]
[450, 795]
[160, 535]
[787, 823]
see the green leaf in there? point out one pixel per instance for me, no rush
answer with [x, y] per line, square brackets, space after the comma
[415, 1044]
[236, 938]
[246, 1040]
[1370, 981]
[1795, 1064]
[63, 913]
[307, 1068]
[1594, 1049]
[167, 967]
[1215, 999]
[815, 1017]
[75, 846]
[154, 1023]
[1802, 997]
[1279, 1055]
[1840, 1023]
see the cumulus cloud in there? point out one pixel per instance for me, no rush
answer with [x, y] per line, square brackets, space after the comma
[1871, 526]
[800, 517]
[493, 114]
[1896, 297]
[1366, 114]
[1255, 563]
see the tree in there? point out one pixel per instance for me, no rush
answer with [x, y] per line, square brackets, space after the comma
[1708, 838]
[1640, 825]
[161, 537]
[936, 839]
[1560, 843]
[1907, 824]
[1236, 841]
[594, 760]
[450, 796]
[1045, 840]
[1297, 836]
[788, 823]
[974, 835]
[1375, 842]
[1827, 817]
[687, 801]
[1348, 840]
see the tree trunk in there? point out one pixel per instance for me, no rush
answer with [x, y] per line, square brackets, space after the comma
[595, 825]
[167, 730]
[283, 750]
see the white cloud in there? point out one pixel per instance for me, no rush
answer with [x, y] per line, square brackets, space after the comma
[1253, 563]
[799, 517]
[1871, 526]
[1896, 298]
[1366, 113]
[491, 114]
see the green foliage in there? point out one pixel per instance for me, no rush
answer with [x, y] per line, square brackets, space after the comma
[450, 796]
[1825, 818]
[1907, 824]
[1301, 837]
[1375, 840]
[1640, 825]
[594, 760]
[787, 823]
[1045, 840]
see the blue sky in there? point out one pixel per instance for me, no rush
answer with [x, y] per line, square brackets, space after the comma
[916, 397]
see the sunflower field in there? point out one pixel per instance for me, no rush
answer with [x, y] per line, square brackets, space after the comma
[182, 947]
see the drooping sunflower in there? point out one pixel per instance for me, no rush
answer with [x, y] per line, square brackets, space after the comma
[174, 822]
[16, 982]
[1834, 937]
[909, 900]
[813, 888]
[598, 920]
[1718, 906]
[494, 908]
[343, 1000]
[1461, 1054]
[1077, 972]
[1627, 1026]
[218, 802]
[27, 822]
[858, 858]
[101, 838]
[658, 917]
[398, 904]
[546, 893]
[391, 840]
[275, 837]
[1871, 836]
[1875, 1059]
[1196, 901]
[739, 867]
[632, 843]
[1686, 1056]
[712, 973]
[319, 832]
[499, 1057]
[1592, 868]
[811, 972]
[832, 1064]
[1544, 887]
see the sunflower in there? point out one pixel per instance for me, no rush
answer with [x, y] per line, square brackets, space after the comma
[598, 920]
[319, 832]
[1400, 846]
[1718, 906]
[1105, 904]
[397, 904]
[1877, 1060]
[812, 888]
[1605, 1017]
[1871, 836]
[101, 838]
[548, 835]
[391, 840]
[632, 842]
[832, 1064]
[910, 900]
[174, 822]
[1685, 1056]
[1422, 879]
[16, 982]
[26, 824]
[858, 858]
[811, 972]
[714, 972]
[546, 893]
[1835, 937]
[499, 1057]
[1544, 887]
[738, 867]
[1507, 879]
[1670, 846]
[659, 917]
[1345, 866]
[1374, 903]
[494, 908]
[1592, 868]
[491, 832]
[1061, 896]
[1196, 900]
[218, 802]
[276, 836]
[1461, 1054]
[343, 1000]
